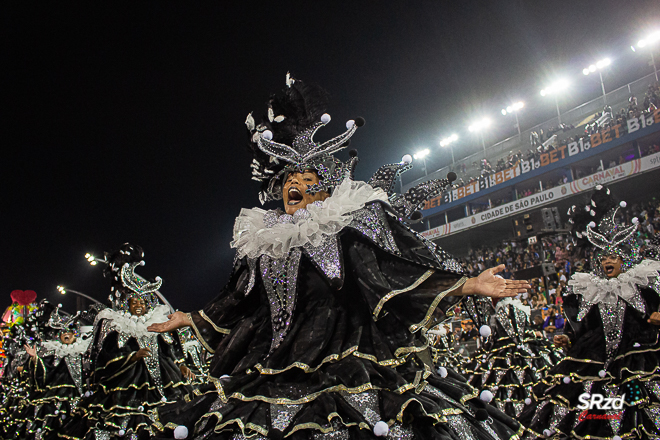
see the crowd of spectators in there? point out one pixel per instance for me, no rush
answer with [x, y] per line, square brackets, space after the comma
[541, 142]
[546, 295]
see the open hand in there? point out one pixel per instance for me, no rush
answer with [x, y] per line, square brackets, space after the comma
[187, 372]
[488, 283]
[561, 341]
[141, 354]
[655, 318]
[31, 351]
[174, 321]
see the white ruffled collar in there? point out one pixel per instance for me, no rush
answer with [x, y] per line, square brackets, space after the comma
[61, 350]
[259, 232]
[135, 326]
[608, 290]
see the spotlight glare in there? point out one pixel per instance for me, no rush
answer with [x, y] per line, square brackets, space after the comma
[585, 71]
[641, 43]
[504, 112]
[421, 154]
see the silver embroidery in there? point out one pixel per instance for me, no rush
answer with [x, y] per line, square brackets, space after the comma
[583, 308]
[74, 365]
[365, 403]
[503, 318]
[460, 426]
[152, 361]
[327, 256]
[612, 317]
[280, 277]
[400, 432]
[371, 221]
[558, 415]
[252, 265]
[282, 415]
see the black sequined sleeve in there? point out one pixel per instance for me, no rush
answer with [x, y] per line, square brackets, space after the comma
[236, 301]
[415, 294]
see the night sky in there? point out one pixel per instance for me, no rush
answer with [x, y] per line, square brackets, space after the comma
[125, 123]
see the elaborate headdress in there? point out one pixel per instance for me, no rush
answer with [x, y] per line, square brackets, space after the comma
[596, 225]
[126, 283]
[285, 143]
[59, 323]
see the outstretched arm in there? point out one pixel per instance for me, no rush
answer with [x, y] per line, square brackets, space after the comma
[174, 321]
[488, 283]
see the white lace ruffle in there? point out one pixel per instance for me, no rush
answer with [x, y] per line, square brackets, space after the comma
[607, 290]
[61, 350]
[515, 302]
[253, 238]
[132, 325]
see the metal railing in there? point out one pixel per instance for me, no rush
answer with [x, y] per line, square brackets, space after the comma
[617, 99]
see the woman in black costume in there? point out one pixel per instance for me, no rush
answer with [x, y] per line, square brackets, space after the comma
[611, 335]
[133, 371]
[56, 369]
[321, 330]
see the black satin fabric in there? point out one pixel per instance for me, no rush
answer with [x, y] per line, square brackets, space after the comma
[334, 345]
[634, 372]
[124, 388]
[17, 411]
[55, 393]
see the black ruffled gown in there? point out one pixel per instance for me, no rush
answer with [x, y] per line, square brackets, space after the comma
[58, 386]
[328, 341]
[126, 392]
[511, 360]
[17, 413]
[614, 352]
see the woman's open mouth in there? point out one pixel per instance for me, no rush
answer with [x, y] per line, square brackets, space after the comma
[609, 269]
[294, 196]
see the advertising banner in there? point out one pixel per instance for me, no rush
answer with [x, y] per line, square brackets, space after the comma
[562, 152]
[618, 172]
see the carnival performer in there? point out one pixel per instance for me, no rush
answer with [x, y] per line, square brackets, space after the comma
[25, 324]
[611, 336]
[133, 370]
[512, 358]
[443, 350]
[321, 331]
[56, 371]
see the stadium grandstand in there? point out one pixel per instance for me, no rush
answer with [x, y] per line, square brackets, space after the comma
[519, 189]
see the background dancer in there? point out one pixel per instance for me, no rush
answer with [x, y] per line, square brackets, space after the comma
[611, 336]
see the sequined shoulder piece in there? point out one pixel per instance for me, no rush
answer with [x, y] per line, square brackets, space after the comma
[371, 222]
[327, 257]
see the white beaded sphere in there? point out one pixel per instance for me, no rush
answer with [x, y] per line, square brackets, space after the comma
[485, 331]
[528, 401]
[486, 396]
[407, 158]
[381, 429]
[602, 373]
[267, 134]
[350, 124]
[325, 118]
[442, 371]
[181, 432]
